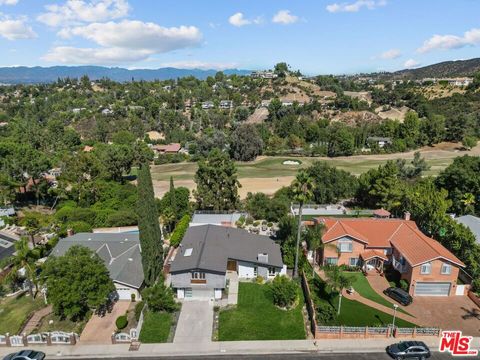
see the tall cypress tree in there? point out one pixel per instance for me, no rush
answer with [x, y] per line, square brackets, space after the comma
[149, 227]
[173, 198]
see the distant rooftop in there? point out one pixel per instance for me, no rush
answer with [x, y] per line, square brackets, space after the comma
[472, 222]
[212, 218]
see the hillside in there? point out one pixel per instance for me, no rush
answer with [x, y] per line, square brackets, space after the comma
[37, 74]
[444, 69]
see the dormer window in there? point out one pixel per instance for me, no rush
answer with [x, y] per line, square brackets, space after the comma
[426, 269]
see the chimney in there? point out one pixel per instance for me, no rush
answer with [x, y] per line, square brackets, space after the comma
[262, 258]
[70, 232]
[406, 215]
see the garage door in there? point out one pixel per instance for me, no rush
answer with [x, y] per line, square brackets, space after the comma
[432, 289]
[124, 294]
[202, 294]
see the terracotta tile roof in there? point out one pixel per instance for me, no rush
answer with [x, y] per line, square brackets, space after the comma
[170, 148]
[381, 213]
[370, 254]
[418, 248]
[404, 235]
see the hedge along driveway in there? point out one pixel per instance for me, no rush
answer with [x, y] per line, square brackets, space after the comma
[257, 318]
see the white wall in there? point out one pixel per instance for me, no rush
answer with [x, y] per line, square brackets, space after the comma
[123, 288]
[245, 270]
[180, 293]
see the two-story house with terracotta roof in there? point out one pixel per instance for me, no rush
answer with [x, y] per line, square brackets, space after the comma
[429, 268]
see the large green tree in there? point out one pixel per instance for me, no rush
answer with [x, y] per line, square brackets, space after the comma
[245, 144]
[77, 282]
[149, 227]
[217, 184]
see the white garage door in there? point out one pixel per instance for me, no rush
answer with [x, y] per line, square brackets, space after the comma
[202, 294]
[432, 289]
[124, 293]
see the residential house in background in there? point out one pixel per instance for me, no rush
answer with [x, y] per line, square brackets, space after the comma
[221, 219]
[429, 268]
[208, 105]
[472, 222]
[379, 141]
[172, 148]
[121, 253]
[263, 75]
[208, 252]
[226, 104]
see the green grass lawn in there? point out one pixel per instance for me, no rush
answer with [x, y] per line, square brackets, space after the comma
[353, 313]
[156, 327]
[362, 286]
[256, 318]
[14, 312]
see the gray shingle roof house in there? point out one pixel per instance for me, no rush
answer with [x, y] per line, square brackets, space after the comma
[472, 222]
[227, 219]
[7, 245]
[208, 252]
[121, 253]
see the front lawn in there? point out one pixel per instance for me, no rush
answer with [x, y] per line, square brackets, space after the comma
[59, 324]
[362, 286]
[353, 313]
[257, 318]
[14, 312]
[156, 327]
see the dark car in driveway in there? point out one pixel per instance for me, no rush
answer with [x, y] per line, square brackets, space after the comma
[26, 355]
[399, 295]
[409, 350]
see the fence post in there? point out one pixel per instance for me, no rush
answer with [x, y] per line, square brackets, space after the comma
[366, 332]
[49, 339]
[341, 331]
[25, 340]
[114, 341]
[389, 329]
[414, 335]
[7, 340]
[73, 339]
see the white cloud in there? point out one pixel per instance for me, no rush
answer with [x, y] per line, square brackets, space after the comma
[195, 64]
[80, 11]
[16, 29]
[391, 54]
[355, 6]
[8, 2]
[446, 42]
[284, 17]
[122, 42]
[238, 20]
[411, 64]
[99, 56]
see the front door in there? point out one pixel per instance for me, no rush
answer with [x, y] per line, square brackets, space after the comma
[232, 265]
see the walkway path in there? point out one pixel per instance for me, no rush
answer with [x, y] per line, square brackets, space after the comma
[36, 319]
[195, 324]
[232, 288]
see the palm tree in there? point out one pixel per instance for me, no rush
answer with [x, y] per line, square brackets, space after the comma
[23, 259]
[313, 237]
[302, 188]
[337, 281]
[468, 201]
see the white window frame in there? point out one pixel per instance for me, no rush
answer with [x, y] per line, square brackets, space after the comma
[350, 261]
[197, 275]
[331, 261]
[272, 271]
[343, 242]
[255, 271]
[446, 269]
[424, 267]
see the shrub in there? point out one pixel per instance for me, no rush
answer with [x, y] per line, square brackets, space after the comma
[179, 232]
[133, 297]
[284, 291]
[160, 298]
[259, 280]
[325, 313]
[249, 220]
[121, 322]
[270, 224]
[256, 223]
[404, 284]
[138, 309]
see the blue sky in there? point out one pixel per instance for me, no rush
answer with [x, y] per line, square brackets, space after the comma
[315, 36]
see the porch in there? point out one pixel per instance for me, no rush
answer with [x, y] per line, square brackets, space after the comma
[373, 262]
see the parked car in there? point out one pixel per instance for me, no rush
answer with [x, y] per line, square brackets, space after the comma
[26, 355]
[409, 350]
[399, 295]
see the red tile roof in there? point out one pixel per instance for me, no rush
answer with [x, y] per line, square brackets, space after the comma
[381, 213]
[170, 148]
[370, 254]
[404, 235]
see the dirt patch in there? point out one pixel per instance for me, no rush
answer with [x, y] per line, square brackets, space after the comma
[259, 116]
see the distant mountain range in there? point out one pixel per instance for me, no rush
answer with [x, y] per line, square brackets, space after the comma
[456, 68]
[37, 74]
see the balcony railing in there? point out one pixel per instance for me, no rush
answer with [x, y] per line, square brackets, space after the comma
[397, 265]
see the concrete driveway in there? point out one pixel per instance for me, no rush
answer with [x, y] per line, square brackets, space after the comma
[99, 329]
[195, 324]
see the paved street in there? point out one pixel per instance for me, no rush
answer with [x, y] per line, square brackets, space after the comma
[308, 356]
[195, 323]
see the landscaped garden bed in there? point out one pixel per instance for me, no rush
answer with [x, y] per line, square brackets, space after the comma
[16, 310]
[257, 318]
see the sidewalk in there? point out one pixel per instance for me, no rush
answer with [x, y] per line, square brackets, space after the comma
[225, 348]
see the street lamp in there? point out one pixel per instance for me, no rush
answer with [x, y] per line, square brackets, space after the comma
[395, 307]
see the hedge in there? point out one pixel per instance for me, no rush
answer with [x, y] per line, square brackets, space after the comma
[180, 230]
[121, 322]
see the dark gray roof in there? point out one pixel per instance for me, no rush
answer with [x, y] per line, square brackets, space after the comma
[211, 247]
[473, 223]
[7, 246]
[120, 252]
